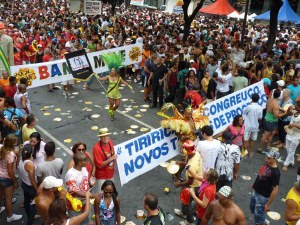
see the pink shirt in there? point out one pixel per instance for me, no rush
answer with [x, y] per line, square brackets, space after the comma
[10, 158]
[237, 135]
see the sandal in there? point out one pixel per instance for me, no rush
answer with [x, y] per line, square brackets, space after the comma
[284, 169]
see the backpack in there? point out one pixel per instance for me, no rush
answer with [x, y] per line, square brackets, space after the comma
[14, 118]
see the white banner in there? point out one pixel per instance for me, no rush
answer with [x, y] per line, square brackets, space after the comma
[92, 7]
[141, 154]
[222, 111]
[58, 71]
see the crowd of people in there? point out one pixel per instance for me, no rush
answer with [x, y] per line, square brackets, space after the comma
[210, 64]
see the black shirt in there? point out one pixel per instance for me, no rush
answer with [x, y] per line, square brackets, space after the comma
[267, 178]
[159, 73]
[158, 219]
[212, 85]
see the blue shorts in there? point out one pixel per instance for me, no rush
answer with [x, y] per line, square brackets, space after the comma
[257, 207]
[270, 126]
[6, 182]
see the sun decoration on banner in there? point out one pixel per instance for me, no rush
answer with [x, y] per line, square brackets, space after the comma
[134, 53]
[27, 73]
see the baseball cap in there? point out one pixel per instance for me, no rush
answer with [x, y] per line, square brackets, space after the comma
[52, 182]
[273, 154]
[281, 83]
[224, 191]
[39, 45]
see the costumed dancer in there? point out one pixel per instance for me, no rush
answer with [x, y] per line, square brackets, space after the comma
[113, 62]
[186, 126]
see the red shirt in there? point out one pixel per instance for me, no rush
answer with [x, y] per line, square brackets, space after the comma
[47, 58]
[102, 153]
[10, 91]
[195, 98]
[209, 192]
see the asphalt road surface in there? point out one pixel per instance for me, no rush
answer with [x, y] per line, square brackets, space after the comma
[76, 116]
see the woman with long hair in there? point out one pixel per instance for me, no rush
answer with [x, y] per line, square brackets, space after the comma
[90, 165]
[58, 212]
[29, 184]
[113, 93]
[38, 146]
[206, 193]
[107, 209]
[190, 80]
[8, 181]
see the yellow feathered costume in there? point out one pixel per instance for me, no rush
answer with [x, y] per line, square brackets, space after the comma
[178, 122]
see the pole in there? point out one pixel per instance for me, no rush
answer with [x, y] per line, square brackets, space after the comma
[245, 22]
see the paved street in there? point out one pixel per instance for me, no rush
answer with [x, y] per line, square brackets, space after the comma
[76, 122]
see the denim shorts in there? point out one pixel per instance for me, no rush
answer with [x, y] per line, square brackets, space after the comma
[6, 182]
[270, 126]
[257, 207]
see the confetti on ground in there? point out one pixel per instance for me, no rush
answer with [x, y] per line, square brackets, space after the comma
[64, 114]
[68, 140]
[121, 88]
[47, 114]
[135, 106]
[144, 129]
[89, 110]
[123, 111]
[143, 110]
[134, 126]
[274, 215]
[122, 132]
[94, 127]
[88, 102]
[124, 99]
[75, 93]
[70, 117]
[164, 164]
[95, 116]
[79, 100]
[122, 85]
[103, 93]
[283, 199]
[57, 109]
[106, 107]
[43, 109]
[57, 119]
[128, 109]
[131, 132]
[46, 107]
[115, 133]
[246, 177]
[72, 96]
[138, 115]
[145, 106]
[97, 106]
[142, 91]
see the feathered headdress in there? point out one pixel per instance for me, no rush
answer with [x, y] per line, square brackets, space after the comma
[113, 60]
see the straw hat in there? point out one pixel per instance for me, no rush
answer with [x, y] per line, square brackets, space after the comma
[103, 132]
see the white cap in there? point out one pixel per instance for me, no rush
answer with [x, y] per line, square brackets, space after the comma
[39, 45]
[68, 45]
[225, 191]
[52, 182]
[192, 61]
[281, 83]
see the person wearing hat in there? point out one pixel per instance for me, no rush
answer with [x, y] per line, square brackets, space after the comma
[228, 161]
[46, 194]
[292, 205]
[193, 167]
[265, 187]
[292, 137]
[104, 158]
[224, 210]
[6, 46]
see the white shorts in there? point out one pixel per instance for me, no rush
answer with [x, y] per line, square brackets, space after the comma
[250, 135]
[71, 82]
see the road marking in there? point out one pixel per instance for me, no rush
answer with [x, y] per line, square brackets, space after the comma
[134, 119]
[54, 139]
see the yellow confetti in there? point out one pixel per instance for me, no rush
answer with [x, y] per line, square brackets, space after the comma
[57, 119]
[57, 109]
[145, 106]
[134, 126]
[138, 115]
[95, 116]
[94, 127]
[144, 129]
[47, 114]
[88, 102]
[124, 99]
[143, 110]
[68, 140]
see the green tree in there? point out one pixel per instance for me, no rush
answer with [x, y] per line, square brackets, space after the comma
[275, 7]
[188, 19]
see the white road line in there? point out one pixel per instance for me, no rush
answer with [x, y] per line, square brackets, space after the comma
[134, 119]
[54, 139]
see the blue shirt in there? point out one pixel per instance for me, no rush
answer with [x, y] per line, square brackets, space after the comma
[8, 115]
[295, 92]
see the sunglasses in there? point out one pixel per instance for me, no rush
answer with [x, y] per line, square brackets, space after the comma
[80, 149]
[108, 192]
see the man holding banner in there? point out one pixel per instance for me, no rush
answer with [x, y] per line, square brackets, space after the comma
[6, 50]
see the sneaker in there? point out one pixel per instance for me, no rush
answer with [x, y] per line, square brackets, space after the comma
[179, 213]
[185, 223]
[14, 217]
[135, 80]
[267, 222]
[2, 209]
[147, 100]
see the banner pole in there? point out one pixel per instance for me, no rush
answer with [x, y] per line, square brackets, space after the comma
[96, 76]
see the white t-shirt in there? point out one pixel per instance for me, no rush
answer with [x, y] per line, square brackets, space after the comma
[295, 136]
[209, 151]
[224, 81]
[252, 113]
